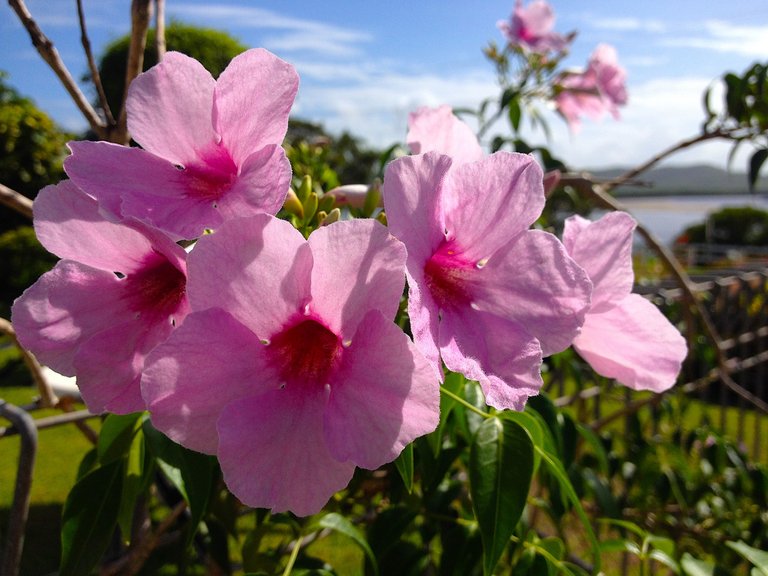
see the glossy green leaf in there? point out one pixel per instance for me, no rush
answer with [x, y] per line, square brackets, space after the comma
[500, 471]
[116, 436]
[758, 558]
[339, 523]
[404, 464]
[89, 518]
[191, 472]
[454, 383]
[515, 114]
[755, 163]
[138, 476]
[556, 469]
[694, 567]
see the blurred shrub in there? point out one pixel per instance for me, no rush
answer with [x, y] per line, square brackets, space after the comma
[32, 149]
[740, 226]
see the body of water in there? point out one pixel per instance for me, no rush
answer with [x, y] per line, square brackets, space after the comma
[667, 216]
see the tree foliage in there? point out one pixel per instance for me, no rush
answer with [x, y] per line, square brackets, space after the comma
[32, 149]
[736, 226]
[212, 48]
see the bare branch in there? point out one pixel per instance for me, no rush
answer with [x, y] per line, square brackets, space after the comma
[16, 201]
[650, 163]
[95, 76]
[140, 17]
[160, 28]
[49, 53]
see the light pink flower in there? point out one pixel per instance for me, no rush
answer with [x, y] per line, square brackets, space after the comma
[487, 294]
[290, 369]
[599, 89]
[624, 335]
[118, 291]
[439, 130]
[211, 148]
[530, 28]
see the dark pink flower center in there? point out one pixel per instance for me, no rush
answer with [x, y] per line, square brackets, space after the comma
[212, 176]
[449, 277]
[157, 290]
[305, 353]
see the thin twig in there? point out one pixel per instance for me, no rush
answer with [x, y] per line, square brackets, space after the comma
[160, 29]
[140, 17]
[49, 53]
[137, 555]
[16, 201]
[651, 162]
[95, 76]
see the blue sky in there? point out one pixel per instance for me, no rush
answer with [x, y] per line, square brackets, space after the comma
[365, 65]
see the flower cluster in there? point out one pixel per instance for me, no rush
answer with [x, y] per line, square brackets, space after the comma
[592, 92]
[281, 354]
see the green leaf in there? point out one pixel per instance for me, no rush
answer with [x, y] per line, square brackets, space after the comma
[116, 436]
[138, 476]
[340, 524]
[90, 517]
[694, 567]
[191, 472]
[454, 382]
[557, 470]
[755, 163]
[515, 114]
[501, 464]
[404, 464]
[759, 558]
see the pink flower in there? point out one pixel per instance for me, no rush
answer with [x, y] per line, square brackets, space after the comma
[439, 130]
[601, 88]
[530, 28]
[290, 369]
[624, 335]
[118, 291]
[211, 149]
[487, 294]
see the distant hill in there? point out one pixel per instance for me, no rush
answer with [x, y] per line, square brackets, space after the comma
[694, 179]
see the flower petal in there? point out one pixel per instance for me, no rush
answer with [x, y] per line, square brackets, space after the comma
[261, 186]
[384, 396]
[424, 317]
[633, 343]
[440, 130]
[273, 453]
[253, 98]
[369, 276]
[257, 269]
[604, 249]
[536, 284]
[109, 365]
[489, 202]
[134, 183]
[498, 353]
[170, 109]
[64, 308]
[412, 195]
[68, 223]
[208, 362]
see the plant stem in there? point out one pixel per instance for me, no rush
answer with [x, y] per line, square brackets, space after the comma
[294, 555]
[463, 402]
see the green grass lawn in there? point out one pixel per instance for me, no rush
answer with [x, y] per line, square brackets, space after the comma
[59, 452]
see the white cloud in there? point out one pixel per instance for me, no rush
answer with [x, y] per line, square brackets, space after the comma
[376, 107]
[289, 34]
[660, 113]
[629, 25]
[719, 36]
